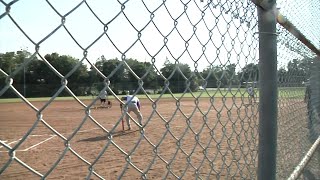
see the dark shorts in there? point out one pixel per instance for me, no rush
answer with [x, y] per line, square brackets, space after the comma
[102, 100]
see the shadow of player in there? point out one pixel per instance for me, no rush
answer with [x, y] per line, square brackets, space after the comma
[105, 137]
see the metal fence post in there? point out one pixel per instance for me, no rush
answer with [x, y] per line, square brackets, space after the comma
[268, 91]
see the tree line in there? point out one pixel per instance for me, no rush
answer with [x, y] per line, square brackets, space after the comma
[39, 79]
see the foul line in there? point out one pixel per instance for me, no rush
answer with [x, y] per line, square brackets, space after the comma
[52, 136]
[10, 142]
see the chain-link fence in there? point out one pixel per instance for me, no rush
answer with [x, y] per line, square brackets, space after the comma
[197, 69]
[296, 118]
[298, 124]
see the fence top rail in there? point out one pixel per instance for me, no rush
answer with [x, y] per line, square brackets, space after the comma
[283, 21]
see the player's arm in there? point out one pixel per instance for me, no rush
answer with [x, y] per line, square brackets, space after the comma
[123, 99]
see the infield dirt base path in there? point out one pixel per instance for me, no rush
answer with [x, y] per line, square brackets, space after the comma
[215, 138]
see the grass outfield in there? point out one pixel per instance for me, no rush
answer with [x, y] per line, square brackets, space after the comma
[283, 92]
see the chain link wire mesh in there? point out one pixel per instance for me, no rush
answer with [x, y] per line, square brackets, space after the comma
[298, 121]
[304, 16]
[213, 137]
[211, 133]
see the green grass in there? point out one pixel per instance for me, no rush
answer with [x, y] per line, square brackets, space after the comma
[153, 96]
[283, 92]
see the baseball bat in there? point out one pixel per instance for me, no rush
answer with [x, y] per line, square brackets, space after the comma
[122, 124]
[122, 121]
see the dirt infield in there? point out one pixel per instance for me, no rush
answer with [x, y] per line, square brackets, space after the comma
[187, 138]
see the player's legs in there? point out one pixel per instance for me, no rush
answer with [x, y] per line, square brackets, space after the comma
[133, 107]
[103, 102]
[128, 117]
[109, 104]
[250, 98]
[136, 110]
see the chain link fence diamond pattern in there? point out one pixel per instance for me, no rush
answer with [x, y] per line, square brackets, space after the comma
[200, 123]
[298, 103]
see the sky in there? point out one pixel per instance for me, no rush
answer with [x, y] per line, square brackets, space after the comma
[304, 16]
[225, 35]
[216, 40]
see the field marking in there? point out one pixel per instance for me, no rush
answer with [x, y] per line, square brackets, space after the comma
[52, 136]
[10, 142]
[39, 135]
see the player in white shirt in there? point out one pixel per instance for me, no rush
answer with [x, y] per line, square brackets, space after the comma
[103, 97]
[250, 91]
[104, 100]
[133, 105]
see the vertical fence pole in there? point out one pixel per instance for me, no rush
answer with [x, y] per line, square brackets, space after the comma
[268, 109]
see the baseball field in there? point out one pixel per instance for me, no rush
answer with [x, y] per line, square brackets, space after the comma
[186, 137]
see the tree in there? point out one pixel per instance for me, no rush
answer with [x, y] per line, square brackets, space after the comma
[175, 72]
[305, 65]
[63, 64]
[144, 70]
[123, 79]
[107, 67]
[231, 77]
[9, 62]
[299, 71]
[220, 76]
[249, 73]
[209, 75]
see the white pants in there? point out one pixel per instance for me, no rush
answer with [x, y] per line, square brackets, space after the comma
[133, 107]
[251, 96]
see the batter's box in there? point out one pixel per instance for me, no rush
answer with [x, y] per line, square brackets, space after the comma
[33, 141]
